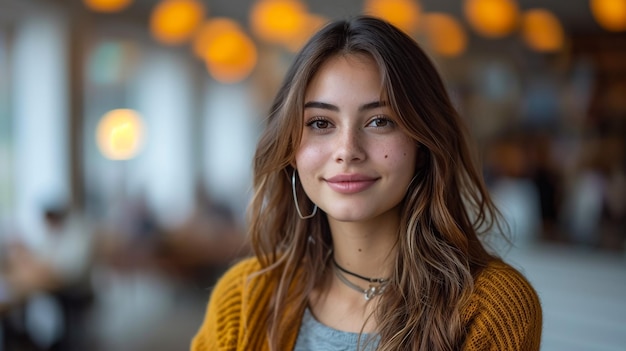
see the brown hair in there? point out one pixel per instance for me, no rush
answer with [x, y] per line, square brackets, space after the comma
[446, 207]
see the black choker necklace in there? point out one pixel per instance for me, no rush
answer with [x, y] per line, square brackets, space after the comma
[369, 280]
[376, 285]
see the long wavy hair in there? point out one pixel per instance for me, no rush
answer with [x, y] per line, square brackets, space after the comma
[445, 210]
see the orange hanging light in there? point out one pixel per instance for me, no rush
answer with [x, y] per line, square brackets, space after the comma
[208, 31]
[609, 14]
[278, 21]
[492, 18]
[229, 53]
[445, 34]
[107, 6]
[541, 30]
[404, 14]
[173, 22]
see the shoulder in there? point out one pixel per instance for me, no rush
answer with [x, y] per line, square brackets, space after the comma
[239, 272]
[233, 284]
[504, 311]
[499, 282]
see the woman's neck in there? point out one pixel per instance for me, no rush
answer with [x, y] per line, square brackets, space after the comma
[365, 249]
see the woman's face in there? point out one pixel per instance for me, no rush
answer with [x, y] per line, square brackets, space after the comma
[354, 161]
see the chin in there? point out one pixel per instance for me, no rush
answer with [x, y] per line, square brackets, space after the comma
[349, 216]
[348, 219]
[355, 214]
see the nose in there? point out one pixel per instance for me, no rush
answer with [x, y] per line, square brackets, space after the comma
[349, 146]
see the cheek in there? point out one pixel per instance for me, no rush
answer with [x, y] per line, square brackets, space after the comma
[308, 156]
[403, 165]
[399, 155]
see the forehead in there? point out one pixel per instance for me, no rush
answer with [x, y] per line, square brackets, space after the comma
[359, 61]
[346, 71]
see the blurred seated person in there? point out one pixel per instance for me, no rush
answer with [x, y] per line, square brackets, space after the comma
[46, 278]
[59, 257]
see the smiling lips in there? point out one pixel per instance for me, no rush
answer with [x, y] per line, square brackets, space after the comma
[350, 183]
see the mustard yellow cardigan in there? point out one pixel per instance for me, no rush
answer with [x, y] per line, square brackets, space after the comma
[504, 313]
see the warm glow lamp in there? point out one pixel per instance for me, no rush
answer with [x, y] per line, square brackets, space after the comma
[404, 14]
[541, 30]
[445, 34]
[278, 21]
[107, 6]
[208, 31]
[120, 134]
[609, 14]
[229, 53]
[492, 18]
[173, 22]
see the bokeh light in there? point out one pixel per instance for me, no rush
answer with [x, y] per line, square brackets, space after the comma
[208, 31]
[107, 6]
[492, 18]
[542, 31]
[120, 134]
[445, 34]
[402, 13]
[609, 14]
[229, 53]
[278, 21]
[175, 21]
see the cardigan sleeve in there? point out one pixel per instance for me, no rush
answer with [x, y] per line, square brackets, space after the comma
[221, 326]
[504, 313]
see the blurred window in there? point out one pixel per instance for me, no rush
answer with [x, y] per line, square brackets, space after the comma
[109, 75]
[6, 127]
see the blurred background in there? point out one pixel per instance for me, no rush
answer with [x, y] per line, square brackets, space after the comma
[127, 129]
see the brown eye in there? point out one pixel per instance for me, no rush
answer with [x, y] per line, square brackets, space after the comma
[318, 124]
[380, 122]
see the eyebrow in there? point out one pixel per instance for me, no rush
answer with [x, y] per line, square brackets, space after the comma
[321, 105]
[331, 107]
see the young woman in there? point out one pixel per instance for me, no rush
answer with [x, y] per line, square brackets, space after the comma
[366, 215]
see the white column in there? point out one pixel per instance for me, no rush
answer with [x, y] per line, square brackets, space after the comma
[164, 97]
[40, 102]
[230, 129]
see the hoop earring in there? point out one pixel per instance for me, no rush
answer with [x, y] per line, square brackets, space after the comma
[295, 198]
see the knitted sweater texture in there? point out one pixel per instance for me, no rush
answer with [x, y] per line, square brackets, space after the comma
[504, 313]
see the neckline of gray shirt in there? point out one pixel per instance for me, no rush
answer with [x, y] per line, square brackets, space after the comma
[314, 335]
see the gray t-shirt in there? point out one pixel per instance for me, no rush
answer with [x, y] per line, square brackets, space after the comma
[314, 336]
